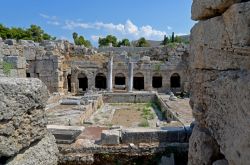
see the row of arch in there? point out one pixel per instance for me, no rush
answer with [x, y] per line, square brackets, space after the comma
[120, 79]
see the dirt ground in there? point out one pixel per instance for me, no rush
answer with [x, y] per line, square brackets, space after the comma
[127, 117]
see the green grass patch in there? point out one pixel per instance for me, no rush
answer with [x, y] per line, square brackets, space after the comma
[144, 123]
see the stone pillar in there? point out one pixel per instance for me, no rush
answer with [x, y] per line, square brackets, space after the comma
[131, 76]
[110, 75]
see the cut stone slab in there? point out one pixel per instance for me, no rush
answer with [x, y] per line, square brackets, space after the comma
[65, 134]
[110, 137]
[69, 102]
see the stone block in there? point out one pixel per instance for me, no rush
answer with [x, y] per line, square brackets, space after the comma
[22, 115]
[65, 134]
[110, 137]
[44, 152]
[203, 9]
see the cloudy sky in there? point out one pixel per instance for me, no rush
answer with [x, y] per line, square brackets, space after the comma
[131, 19]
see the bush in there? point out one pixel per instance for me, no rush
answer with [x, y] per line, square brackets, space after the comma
[144, 123]
[7, 68]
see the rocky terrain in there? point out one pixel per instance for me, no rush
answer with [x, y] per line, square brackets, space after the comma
[24, 138]
[220, 67]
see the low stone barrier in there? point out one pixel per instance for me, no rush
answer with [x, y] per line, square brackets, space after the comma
[129, 97]
[145, 135]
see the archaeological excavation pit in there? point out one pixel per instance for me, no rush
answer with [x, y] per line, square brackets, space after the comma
[109, 121]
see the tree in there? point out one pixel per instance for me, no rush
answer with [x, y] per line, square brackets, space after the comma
[142, 42]
[178, 39]
[165, 40]
[107, 40]
[172, 37]
[124, 42]
[3, 31]
[75, 36]
[80, 40]
[34, 32]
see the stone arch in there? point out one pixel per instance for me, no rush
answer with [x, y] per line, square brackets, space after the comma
[175, 81]
[157, 80]
[100, 81]
[138, 82]
[82, 81]
[120, 79]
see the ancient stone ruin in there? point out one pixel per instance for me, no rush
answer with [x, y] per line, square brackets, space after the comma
[24, 138]
[178, 104]
[219, 63]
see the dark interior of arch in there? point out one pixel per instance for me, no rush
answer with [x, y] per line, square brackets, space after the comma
[157, 82]
[100, 81]
[138, 83]
[83, 83]
[69, 82]
[120, 80]
[175, 81]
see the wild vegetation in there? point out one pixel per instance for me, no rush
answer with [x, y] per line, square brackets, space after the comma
[80, 40]
[34, 33]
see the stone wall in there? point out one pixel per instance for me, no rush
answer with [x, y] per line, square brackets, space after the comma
[128, 97]
[23, 135]
[220, 82]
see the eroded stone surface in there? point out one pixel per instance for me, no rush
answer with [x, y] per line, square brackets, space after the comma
[220, 67]
[44, 152]
[22, 114]
[204, 9]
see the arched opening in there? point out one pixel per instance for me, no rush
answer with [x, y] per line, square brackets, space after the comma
[100, 81]
[83, 82]
[157, 81]
[69, 82]
[175, 81]
[120, 79]
[138, 81]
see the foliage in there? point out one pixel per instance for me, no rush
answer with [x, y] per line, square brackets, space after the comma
[165, 41]
[81, 40]
[107, 40]
[124, 42]
[142, 42]
[144, 123]
[172, 45]
[172, 37]
[34, 32]
[7, 68]
[146, 113]
[157, 67]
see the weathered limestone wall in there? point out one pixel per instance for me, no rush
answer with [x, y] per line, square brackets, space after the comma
[220, 82]
[12, 54]
[23, 135]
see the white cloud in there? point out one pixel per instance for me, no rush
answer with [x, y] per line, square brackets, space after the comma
[181, 34]
[56, 23]
[169, 28]
[72, 25]
[129, 29]
[95, 38]
[48, 17]
[52, 20]
[149, 32]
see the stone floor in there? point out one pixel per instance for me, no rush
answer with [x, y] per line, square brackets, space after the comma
[180, 108]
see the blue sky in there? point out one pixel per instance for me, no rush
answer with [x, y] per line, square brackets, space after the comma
[94, 18]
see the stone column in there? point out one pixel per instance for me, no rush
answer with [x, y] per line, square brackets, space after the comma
[131, 76]
[110, 75]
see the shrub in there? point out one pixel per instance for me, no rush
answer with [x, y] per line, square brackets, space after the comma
[144, 123]
[7, 68]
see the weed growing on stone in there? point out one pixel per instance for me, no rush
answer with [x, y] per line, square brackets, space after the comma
[144, 123]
